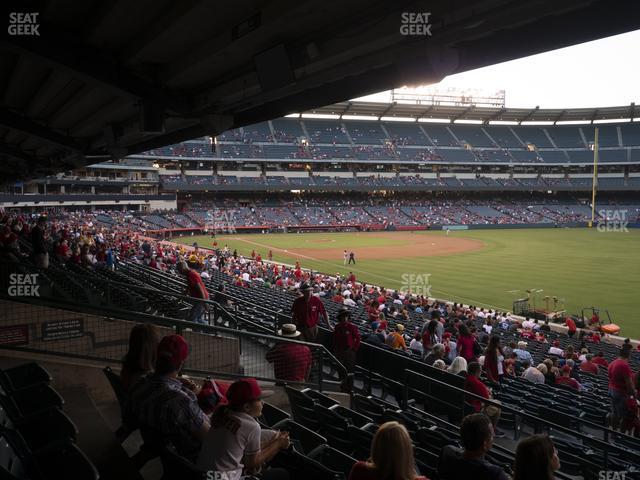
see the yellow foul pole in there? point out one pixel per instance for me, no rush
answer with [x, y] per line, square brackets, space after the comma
[595, 178]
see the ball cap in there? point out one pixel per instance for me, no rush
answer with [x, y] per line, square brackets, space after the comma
[246, 390]
[174, 348]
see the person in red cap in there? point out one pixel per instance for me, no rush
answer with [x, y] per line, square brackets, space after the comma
[306, 312]
[163, 403]
[236, 443]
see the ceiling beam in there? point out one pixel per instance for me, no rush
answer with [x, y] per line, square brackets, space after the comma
[463, 113]
[63, 52]
[387, 110]
[495, 116]
[15, 152]
[559, 117]
[26, 125]
[531, 113]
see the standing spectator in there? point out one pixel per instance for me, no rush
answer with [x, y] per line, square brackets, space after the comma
[306, 311]
[494, 360]
[346, 342]
[620, 386]
[291, 361]
[141, 356]
[40, 251]
[472, 384]
[571, 326]
[536, 459]
[196, 290]
[236, 443]
[162, 402]
[391, 456]
[466, 343]
[476, 436]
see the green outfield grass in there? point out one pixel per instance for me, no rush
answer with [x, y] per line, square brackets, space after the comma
[582, 266]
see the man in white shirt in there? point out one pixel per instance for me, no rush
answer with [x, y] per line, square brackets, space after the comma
[527, 324]
[555, 349]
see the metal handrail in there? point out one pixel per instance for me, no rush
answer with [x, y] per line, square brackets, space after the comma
[602, 444]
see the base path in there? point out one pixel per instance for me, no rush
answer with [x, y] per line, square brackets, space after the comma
[414, 245]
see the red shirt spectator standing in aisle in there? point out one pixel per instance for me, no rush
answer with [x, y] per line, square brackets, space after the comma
[196, 290]
[346, 342]
[571, 325]
[620, 385]
[306, 312]
[291, 361]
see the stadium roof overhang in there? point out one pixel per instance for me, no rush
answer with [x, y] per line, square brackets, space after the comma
[106, 79]
[378, 110]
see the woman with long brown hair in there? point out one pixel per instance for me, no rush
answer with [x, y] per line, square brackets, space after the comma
[493, 360]
[141, 357]
[536, 459]
[391, 456]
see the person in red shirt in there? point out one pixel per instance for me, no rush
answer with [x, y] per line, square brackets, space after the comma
[465, 342]
[346, 342]
[588, 365]
[571, 325]
[391, 456]
[306, 312]
[291, 361]
[565, 378]
[196, 290]
[600, 360]
[351, 278]
[620, 386]
[472, 384]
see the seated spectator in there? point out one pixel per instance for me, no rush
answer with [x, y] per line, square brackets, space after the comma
[166, 405]
[437, 353]
[522, 354]
[458, 367]
[440, 365]
[377, 336]
[472, 384]
[550, 376]
[565, 378]
[391, 456]
[291, 361]
[555, 349]
[476, 436]
[141, 356]
[396, 339]
[235, 443]
[536, 459]
[535, 374]
[588, 365]
[416, 344]
[600, 360]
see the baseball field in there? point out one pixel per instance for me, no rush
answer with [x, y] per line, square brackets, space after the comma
[491, 268]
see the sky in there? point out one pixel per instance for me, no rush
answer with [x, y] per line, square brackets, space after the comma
[602, 73]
